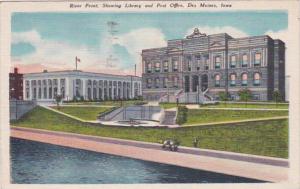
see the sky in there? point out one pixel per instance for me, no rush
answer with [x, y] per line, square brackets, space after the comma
[53, 40]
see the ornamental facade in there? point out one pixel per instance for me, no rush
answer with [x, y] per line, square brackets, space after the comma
[208, 64]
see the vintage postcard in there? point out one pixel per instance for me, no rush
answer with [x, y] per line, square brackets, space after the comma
[164, 94]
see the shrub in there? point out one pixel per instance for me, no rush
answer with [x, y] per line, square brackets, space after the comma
[181, 115]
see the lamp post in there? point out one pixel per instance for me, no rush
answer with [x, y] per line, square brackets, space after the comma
[16, 103]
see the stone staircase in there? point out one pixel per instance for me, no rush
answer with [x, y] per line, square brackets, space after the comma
[187, 97]
[170, 117]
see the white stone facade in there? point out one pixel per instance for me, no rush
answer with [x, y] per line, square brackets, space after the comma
[72, 84]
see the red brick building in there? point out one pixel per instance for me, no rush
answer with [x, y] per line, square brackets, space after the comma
[16, 85]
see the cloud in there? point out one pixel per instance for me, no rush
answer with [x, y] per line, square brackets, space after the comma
[137, 40]
[55, 54]
[234, 32]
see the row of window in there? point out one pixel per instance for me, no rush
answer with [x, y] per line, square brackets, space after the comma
[105, 82]
[165, 82]
[244, 77]
[50, 82]
[217, 63]
[157, 66]
[38, 93]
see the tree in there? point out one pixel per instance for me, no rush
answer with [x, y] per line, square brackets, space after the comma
[58, 99]
[245, 95]
[224, 96]
[277, 97]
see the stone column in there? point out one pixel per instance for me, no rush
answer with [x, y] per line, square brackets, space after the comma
[84, 89]
[30, 90]
[24, 89]
[58, 87]
[67, 89]
[112, 90]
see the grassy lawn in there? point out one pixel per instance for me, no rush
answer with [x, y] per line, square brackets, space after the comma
[85, 113]
[166, 105]
[198, 116]
[109, 103]
[249, 105]
[269, 138]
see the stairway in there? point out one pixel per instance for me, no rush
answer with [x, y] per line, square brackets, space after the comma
[170, 117]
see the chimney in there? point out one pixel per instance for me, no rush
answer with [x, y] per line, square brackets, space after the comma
[15, 70]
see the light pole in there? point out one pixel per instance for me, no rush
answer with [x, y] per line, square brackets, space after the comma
[16, 103]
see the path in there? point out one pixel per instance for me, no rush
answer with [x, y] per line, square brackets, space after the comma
[244, 165]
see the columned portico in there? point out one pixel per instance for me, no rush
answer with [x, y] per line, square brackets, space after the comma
[76, 84]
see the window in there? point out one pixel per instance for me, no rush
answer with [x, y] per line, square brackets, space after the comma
[256, 97]
[256, 81]
[166, 66]
[39, 82]
[175, 82]
[157, 82]
[62, 81]
[27, 83]
[165, 82]
[49, 81]
[149, 67]
[257, 59]
[244, 60]
[232, 79]
[89, 82]
[244, 79]
[149, 83]
[157, 67]
[217, 62]
[217, 80]
[45, 93]
[44, 82]
[39, 93]
[175, 65]
[189, 63]
[55, 81]
[232, 61]
[198, 58]
[27, 93]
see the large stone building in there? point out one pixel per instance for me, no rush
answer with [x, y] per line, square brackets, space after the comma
[72, 84]
[204, 65]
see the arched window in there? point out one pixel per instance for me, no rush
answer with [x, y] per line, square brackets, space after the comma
[244, 60]
[232, 79]
[217, 80]
[149, 83]
[166, 66]
[165, 82]
[175, 65]
[157, 67]
[157, 82]
[257, 79]
[232, 61]
[257, 59]
[217, 62]
[149, 67]
[244, 79]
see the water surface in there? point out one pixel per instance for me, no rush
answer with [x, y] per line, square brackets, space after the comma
[37, 163]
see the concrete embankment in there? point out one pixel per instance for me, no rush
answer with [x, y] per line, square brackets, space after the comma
[250, 166]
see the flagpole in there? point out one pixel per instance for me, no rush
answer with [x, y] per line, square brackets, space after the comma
[76, 62]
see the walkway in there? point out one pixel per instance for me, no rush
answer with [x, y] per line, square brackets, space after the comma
[244, 165]
[237, 121]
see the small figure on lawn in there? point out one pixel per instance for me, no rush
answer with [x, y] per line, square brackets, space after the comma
[195, 142]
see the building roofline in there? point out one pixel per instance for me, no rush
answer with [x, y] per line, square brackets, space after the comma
[80, 71]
